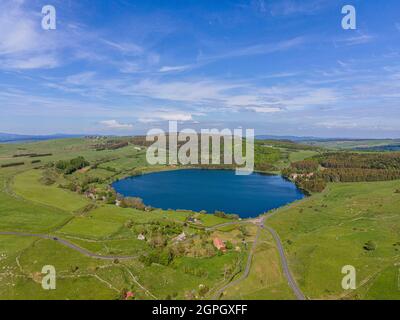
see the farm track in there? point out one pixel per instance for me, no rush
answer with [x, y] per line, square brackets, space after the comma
[285, 266]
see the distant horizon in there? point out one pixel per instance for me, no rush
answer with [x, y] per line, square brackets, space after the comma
[77, 135]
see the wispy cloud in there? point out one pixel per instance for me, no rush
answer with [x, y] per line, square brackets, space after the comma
[293, 7]
[22, 44]
[175, 68]
[166, 115]
[254, 50]
[361, 38]
[114, 124]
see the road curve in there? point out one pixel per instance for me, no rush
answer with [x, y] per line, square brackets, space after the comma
[67, 244]
[292, 283]
[246, 270]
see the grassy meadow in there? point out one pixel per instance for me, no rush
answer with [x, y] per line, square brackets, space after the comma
[320, 234]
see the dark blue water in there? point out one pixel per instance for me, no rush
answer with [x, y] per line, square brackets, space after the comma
[211, 190]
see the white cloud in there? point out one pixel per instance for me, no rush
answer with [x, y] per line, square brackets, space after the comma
[125, 48]
[35, 62]
[356, 40]
[290, 7]
[23, 45]
[80, 78]
[260, 49]
[264, 109]
[114, 124]
[166, 116]
[174, 68]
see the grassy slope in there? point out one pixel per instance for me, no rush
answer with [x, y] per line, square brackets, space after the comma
[27, 185]
[266, 280]
[328, 231]
[324, 238]
[27, 205]
[350, 144]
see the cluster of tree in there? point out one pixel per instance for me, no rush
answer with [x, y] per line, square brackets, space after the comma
[265, 167]
[85, 185]
[109, 195]
[49, 177]
[14, 164]
[304, 166]
[359, 175]
[41, 155]
[23, 155]
[69, 167]
[111, 145]
[32, 155]
[222, 214]
[311, 184]
[288, 144]
[388, 161]
[343, 167]
[132, 202]
[163, 257]
[370, 246]
[265, 157]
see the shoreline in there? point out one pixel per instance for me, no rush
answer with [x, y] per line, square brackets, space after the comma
[261, 173]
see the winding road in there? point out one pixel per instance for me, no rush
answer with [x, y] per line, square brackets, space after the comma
[260, 222]
[285, 266]
[246, 270]
[292, 283]
[67, 244]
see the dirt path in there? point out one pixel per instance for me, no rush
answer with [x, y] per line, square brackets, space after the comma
[67, 244]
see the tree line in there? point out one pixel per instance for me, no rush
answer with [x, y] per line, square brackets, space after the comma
[313, 174]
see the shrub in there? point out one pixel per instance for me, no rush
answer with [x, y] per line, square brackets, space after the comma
[69, 167]
[135, 203]
[370, 245]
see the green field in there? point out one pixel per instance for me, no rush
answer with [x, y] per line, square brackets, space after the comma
[328, 231]
[320, 234]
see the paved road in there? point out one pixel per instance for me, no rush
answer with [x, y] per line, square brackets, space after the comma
[292, 283]
[67, 244]
[246, 270]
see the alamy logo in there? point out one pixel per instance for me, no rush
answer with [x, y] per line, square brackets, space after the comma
[49, 20]
[49, 280]
[349, 280]
[195, 148]
[349, 21]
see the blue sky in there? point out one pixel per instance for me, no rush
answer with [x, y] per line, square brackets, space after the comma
[283, 67]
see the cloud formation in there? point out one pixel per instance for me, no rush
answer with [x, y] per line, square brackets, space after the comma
[114, 124]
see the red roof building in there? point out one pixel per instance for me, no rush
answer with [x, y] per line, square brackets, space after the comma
[129, 295]
[219, 244]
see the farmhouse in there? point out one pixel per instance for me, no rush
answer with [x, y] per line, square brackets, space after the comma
[219, 244]
[180, 237]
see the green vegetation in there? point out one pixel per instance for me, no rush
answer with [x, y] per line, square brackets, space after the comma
[65, 192]
[348, 224]
[313, 174]
[71, 166]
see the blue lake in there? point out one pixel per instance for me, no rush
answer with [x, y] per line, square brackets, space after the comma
[211, 190]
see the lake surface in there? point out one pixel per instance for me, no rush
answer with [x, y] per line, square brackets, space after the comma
[211, 190]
